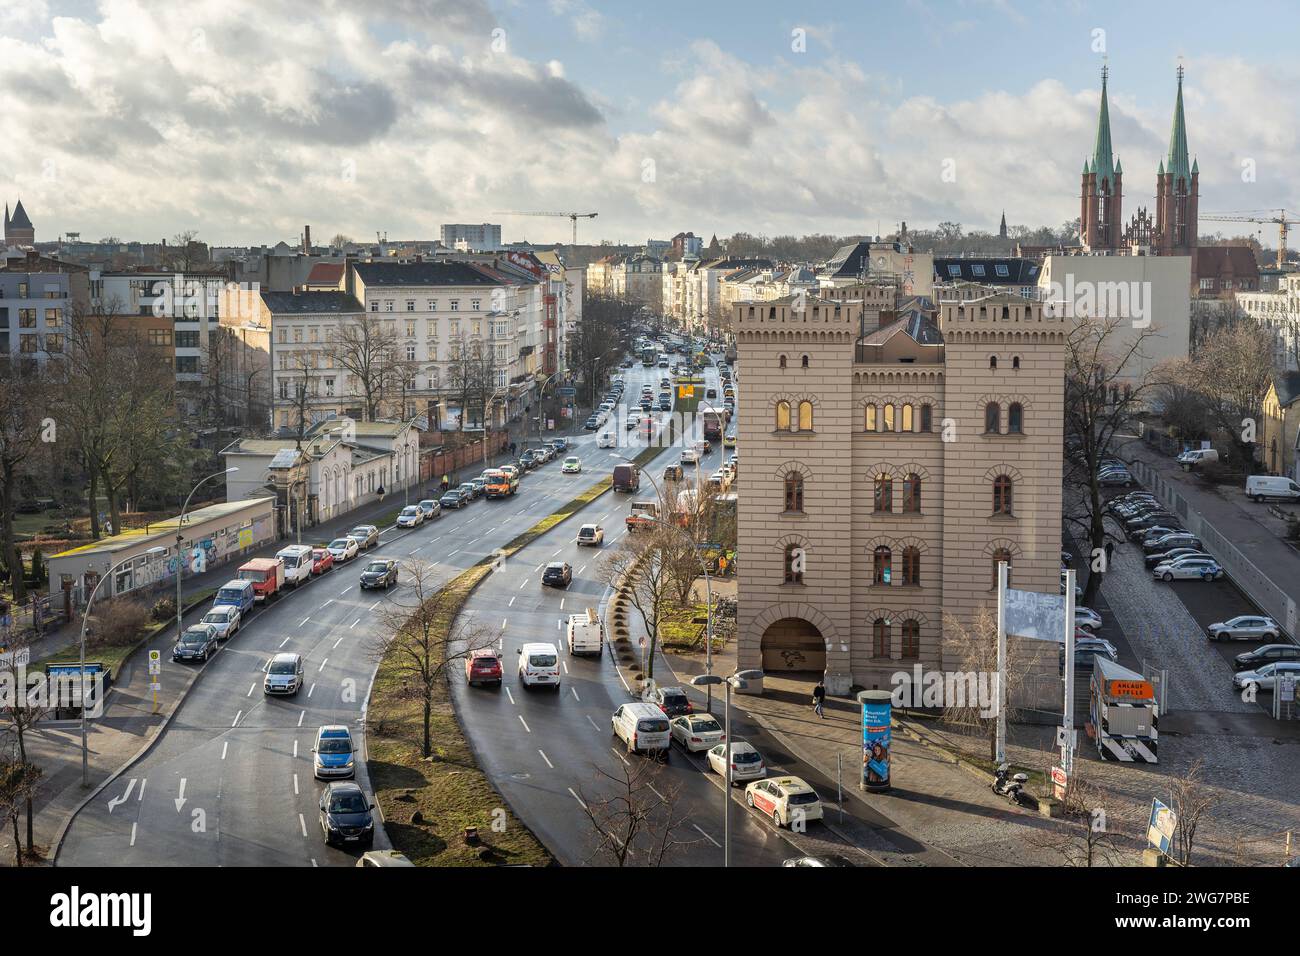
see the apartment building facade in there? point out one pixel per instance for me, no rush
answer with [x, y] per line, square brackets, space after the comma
[1279, 312]
[37, 298]
[888, 468]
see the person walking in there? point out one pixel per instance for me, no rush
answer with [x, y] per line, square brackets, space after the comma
[819, 698]
[446, 482]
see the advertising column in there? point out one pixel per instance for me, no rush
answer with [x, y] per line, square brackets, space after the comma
[877, 710]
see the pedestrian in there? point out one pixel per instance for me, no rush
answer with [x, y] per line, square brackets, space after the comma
[512, 449]
[819, 698]
[446, 483]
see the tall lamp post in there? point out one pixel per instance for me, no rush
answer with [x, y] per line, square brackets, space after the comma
[486, 409]
[739, 680]
[541, 398]
[180, 537]
[85, 619]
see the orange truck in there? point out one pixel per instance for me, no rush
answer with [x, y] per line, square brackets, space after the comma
[265, 574]
[500, 483]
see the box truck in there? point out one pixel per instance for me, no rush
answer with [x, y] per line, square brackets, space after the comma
[265, 574]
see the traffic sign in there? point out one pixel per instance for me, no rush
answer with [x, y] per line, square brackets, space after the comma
[155, 656]
[566, 391]
[1060, 780]
[155, 667]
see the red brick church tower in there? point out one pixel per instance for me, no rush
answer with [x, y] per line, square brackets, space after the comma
[1176, 191]
[1101, 195]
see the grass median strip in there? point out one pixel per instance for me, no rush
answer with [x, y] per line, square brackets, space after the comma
[427, 804]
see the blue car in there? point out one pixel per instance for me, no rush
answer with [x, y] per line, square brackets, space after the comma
[335, 755]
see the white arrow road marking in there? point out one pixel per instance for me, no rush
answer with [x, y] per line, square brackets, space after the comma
[525, 723]
[224, 745]
[118, 801]
[302, 823]
[180, 799]
[580, 803]
[547, 759]
[707, 837]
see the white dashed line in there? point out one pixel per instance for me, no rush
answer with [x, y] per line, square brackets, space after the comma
[295, 785]
[581, 569]
[510, 695]
[547, 759]
[512, 603]
[284, 642]
[251, 687]
[522, 583]
[224, 745]
[373, 606]
[707, 837]
[312, 690]
[454, 553]
[236, 720]
[579, 799]
[561, 604]
[302, 823]
[345, 590]
[133, 830]
[322, 665]
[300, 717]
[593, 723]
[618, 755]
[351, 626]
[303, 621]
[337, 643]
[525, 723]
[575, 695]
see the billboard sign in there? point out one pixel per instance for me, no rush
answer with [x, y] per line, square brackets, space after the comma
[1036, 616]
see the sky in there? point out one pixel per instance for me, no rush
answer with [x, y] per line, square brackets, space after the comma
[243, 120]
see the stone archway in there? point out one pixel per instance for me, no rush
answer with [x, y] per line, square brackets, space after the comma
[792, 645]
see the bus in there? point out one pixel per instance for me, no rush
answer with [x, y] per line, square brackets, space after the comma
[713, 422]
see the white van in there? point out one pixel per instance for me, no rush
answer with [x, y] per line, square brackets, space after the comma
[297, 563]
[1260, 487]
[1197, 456]
[642, 727]
[539, 664]
[586, 634]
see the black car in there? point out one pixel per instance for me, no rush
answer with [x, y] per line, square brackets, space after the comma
[530, 460]
[469, 490]
[592, 423]
[197, 643]
[646, 405]
[557, 575]
[379, 573]
[671, 700]
[452, 499]
[1267, 654]
[345, 815]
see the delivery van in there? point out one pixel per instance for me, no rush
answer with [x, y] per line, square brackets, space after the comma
[237, 593]
[627, 477]
[266, 576]
[539, 664]
[297, 562]
[586, 634]
[1197, 456]
[1260, 487]
[642, 727]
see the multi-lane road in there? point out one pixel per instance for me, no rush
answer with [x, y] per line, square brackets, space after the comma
[229, 782]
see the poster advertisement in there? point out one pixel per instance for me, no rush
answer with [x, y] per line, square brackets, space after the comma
[876, 713]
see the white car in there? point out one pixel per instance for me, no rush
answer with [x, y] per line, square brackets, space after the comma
[225, 618]
[746, 762]
[1188, 569]
[607, 440]
[690, 456]
[696, 731]
[784, 799]
[410, 517]
[1265, 677]
[344, 549]
[591, 534]
[1086, 617]
[572, 465]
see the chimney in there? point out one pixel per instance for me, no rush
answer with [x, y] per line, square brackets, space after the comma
[306, 240]
[349, 277]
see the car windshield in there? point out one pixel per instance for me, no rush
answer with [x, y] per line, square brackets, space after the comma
[359, 533]
[339, 543]
[215, 617]
[706, 727]
[194, 635]
[541, 660]
[347, 802]
[674, 698]
[651, 725]
[377, 566]
[744, 756]
[335, 745]
[802, 798]
[230, 594]
[281, 667]
[413, 510]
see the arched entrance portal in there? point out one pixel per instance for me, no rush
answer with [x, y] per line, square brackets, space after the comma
[793, 645]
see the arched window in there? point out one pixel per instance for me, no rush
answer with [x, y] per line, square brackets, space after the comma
[912, 566]
[993, 361]
[927, 418]
[782, 416]
[912, 493]
[1015, 361]
[805, 416]
[870, 424]
[781, 361]
[888, 423]
[907, 422]
[793, 564]
[880, 637]
[804, 361]
[884, 498]
[1002, 495]
[992, 418]
[1006, 314]
[881, 565]
[794, 491]
[1015, 419]
[1000, 555]
[911, 648]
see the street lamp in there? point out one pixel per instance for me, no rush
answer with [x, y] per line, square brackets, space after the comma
[491, 399]
[541, 397]
[739, 680]
[85, 619]
[708, 587]
[180, 537]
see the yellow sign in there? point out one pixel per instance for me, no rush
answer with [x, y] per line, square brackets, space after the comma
[685, 391]
[245, 537]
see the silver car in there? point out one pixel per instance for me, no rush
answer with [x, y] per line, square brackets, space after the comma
[1086, 617]
[1188, 569]
[225, 619]
[1264, 678]
[1245, 627]
[367, 535]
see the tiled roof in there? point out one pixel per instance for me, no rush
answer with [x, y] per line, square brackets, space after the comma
[1215, 261]
[325, 273]
[990, 271]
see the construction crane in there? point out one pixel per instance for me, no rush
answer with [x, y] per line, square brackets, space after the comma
[571, 216]
[1253, 215]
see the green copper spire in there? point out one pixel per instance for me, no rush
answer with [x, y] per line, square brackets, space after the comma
[1103, 163]
[1177, 164]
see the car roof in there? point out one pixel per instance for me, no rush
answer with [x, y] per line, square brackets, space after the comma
[485, 652]
[344, 785]
[333, 730]
[791, 784]
[540, 646]
[285, 656]
[555, 564]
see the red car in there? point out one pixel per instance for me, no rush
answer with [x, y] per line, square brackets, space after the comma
[321, 560]
[483, 666]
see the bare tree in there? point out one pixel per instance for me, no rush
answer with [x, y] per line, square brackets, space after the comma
[1104, 392]
[302, 389]
[1233, 371]
[18, 779]
[634, 825]
[1191, 798]
[422, 638]
[367, 349]
[184, 253]
[643, 565]
[25, 404]
[1090, 831]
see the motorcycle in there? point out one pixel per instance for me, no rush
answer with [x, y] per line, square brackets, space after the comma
[1011, 786]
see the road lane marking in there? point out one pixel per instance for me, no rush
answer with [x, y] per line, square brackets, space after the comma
[312, 691]
[412, 551]
[302, 823]
[510, 695]
[345, 590]
[557, 551]
[295, 750]
[224, 744]
[236, 720]
[575, 695]
[538, 568]
[251, 687]
[295, 785]
[525, 723]
[580, 803]
[503, 623]
[593, 723]
[454, 553]
[282, 643]
[328, 603]
[140, 795]
[522, 583]
[561, 604]
[547, 759]
[303, 621]
[512, 603]
[581, 569]
[133, 834]
[373, 606]
[618, 755]
[300, 717]
[706, 836]
[322, 665]
[656, 793]
[338, 642]
[566, 666]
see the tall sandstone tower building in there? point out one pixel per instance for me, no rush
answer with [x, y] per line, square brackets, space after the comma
[889, 462]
